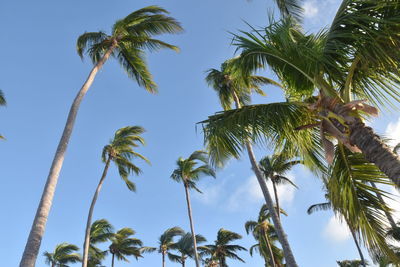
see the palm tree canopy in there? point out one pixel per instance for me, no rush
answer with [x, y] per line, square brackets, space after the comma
[100, 231]
[189, 172]
[123, 245]
[63, 255]
[166, 240]
[276, 166]
[185, 247]
[120, 151]
[128, 39]
[291, 8]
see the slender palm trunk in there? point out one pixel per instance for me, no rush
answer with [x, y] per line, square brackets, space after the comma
[36, 234]
[287, 251]
[271, 254]
[196, 256]
[112, 260]
[89, 219]
[358, 247]
[387, 213]
[375, 150]
[163, 259]
[278, 210]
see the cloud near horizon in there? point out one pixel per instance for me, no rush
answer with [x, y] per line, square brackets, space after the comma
[336, 230]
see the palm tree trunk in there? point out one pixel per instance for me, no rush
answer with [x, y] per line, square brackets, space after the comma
[271, 254]
[387, 213]
[112, 260]
[358, 246]
[196, 256]
[163, 259]
[375, 150]
[36, 234]
[278, 210]
[287, 251]
[91, 209]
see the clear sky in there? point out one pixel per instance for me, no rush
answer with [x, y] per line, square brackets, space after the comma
[40, 75]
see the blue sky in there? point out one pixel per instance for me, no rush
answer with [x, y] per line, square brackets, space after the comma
[40, 75]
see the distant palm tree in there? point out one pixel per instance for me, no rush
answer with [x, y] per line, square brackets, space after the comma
[189, 173]
[221, 249]
[100, 231]
[185, 248]
[274, 168]
[2, 103]
[350, 263]
[123, 245]
[127, 42]
[120, 151]
[62, 256]
[166, 241]
[264, 232]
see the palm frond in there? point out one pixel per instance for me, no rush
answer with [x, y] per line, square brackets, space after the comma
[2, 99]
[320, 206]
[89, 39]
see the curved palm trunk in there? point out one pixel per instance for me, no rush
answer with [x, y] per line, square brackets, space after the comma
[375, 150]
[271, 254]
[278, 210]
[36, 234]
[287, 251]
[387, 213]
[196, 256]
[91, 209]
[358, 247]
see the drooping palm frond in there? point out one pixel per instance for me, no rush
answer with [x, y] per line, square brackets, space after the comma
[319, 206]
[63, 255]
[123, 245]
[291, 8]
[184, 246]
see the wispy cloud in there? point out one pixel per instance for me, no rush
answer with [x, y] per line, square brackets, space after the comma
[393, 132]
[336, 230]
[310, 9]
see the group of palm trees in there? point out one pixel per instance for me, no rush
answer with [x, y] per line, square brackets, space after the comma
[333, 80]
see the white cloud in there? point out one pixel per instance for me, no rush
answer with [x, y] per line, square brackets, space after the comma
[250, 193]
[393, 202]
[310, 9]
[336, 230]
[393, 132]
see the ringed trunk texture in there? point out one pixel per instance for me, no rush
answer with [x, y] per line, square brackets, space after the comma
[278, 210]
[374, 150]
[287, 251]
[91, 209]
[37, 230]
[271, 254]
[196, 256]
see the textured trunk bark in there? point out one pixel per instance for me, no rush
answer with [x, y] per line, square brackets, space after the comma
[358, 247]
[388, 215]
[271, 254]
[375, 150]
[196, 256]
[278, 210]
[91, 209]
[287, 251]
[36, 234]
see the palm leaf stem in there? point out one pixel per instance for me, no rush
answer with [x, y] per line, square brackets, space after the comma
[353, 234]
[37, 230]
[91, 209]
[270, 253]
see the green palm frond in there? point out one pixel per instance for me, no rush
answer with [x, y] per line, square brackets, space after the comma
[87, 40]
[319, 206]
[291, 8]
[2, 99]
[124, 245]
[63, 254]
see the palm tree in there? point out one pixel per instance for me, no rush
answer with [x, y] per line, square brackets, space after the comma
[100, 231]
[221, 249]
[166, 241]
[123, 245]
[264, 232]
[234, 86]
[188, 172]
[2, 103]
[327, 206]
[274, 168]
[120, 151]
[185, 247]
[62, 256]
[350, 263]
[127, 41]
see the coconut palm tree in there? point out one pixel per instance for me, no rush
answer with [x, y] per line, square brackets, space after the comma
[264, 232]
[62, 256]
[189, 172]
[100, 232]
[274, 168]
[120, 151]
[127, 42]
[166, 241]
[123, 245]
[233, 86]
[185, 247]
[221, 249]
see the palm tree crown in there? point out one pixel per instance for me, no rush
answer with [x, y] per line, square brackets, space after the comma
[166, 240]
[62, 256]
[123, 245]
[101, 231]
[128, 38]
[185, 248]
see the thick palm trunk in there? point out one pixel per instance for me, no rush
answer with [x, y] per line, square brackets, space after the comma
[36, 234]
[270, 253]
[387, 213]
[91, 209]
[375, 150]
[287, 251]
[358, 247]
[278, 210]
[196, 256]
